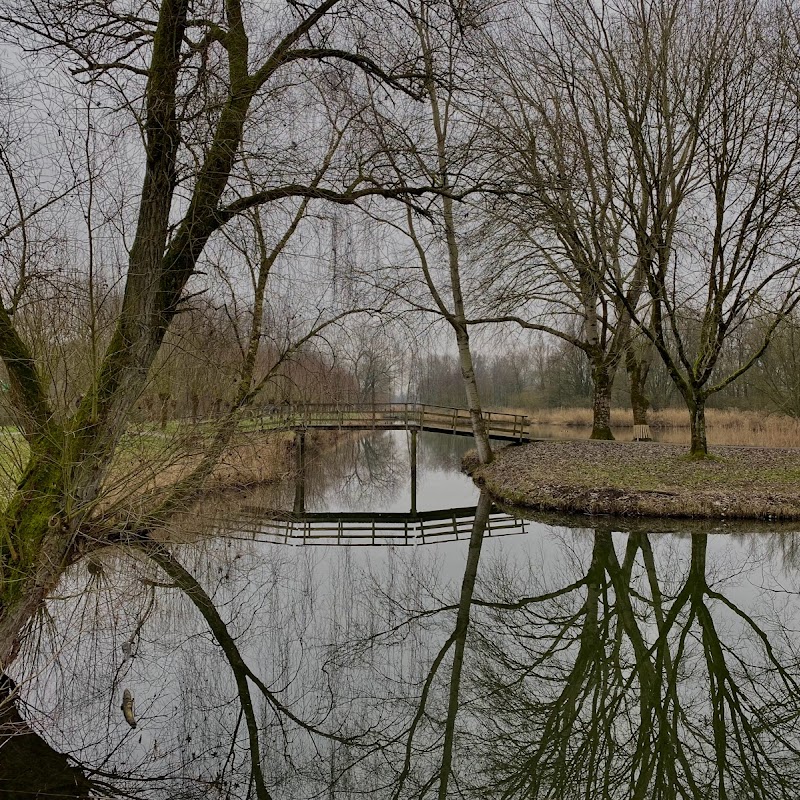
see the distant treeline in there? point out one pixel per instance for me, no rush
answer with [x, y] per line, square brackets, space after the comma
[553, 373]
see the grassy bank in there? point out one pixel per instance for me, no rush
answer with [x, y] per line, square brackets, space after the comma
[645, 479]
[725, 426]
[149, 460]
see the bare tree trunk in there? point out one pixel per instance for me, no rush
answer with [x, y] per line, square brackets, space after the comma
[29, 767]
[28, 581]
[638, 367]
[473, 398]
[440, 117]
[164, 397]
[602, 378]
[697, 419]
[640, 404]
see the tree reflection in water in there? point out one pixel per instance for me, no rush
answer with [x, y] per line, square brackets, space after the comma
[584, 663]
[644, 677]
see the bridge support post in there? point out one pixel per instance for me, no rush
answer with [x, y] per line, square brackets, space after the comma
[299, 506]
[413, 459]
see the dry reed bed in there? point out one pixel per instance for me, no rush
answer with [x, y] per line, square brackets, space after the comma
[645, 479]
[151, 462]
[725, 426]
[147, 467]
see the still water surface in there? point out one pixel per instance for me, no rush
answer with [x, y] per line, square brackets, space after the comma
[589, 659]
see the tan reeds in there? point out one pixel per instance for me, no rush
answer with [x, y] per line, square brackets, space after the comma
[726, 426]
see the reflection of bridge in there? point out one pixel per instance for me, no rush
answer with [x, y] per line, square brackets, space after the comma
[369, 529]
[393, 416]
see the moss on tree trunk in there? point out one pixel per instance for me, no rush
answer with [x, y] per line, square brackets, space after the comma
[697, 420]
[601, 403]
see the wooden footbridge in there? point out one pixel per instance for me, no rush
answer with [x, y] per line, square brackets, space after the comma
[369, 529]
[393, 416]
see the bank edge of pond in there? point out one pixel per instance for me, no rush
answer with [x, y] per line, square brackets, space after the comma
[253, 459]
[262, 458]
[644, 479]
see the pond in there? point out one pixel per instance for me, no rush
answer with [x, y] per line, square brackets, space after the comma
[551, 658]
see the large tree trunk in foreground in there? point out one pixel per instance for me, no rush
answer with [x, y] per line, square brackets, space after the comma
[602, 379]
[29, 767]
[38, 529]
[69, 461]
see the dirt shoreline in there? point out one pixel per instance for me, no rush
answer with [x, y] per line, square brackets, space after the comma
[644, 479]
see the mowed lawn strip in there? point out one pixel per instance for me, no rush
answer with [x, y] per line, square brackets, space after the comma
[646, 479]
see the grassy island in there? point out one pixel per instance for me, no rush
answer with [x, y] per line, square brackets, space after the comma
[645, 479]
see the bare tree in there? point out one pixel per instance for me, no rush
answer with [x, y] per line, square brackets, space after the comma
[662, 149]
[702, 94]
[447, 157]
[207, 77]
[555, 242]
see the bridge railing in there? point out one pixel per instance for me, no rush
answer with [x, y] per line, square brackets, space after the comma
[377, 415]
[414, 529]
[460, 419]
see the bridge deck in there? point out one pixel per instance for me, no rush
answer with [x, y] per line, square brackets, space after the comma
[370, 529]
[394, 416]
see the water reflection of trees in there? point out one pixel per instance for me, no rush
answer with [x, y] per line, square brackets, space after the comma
[604, 664]
[370, 472]
[236, 673]
[633, 681]
[362, 472]
[442, 451]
